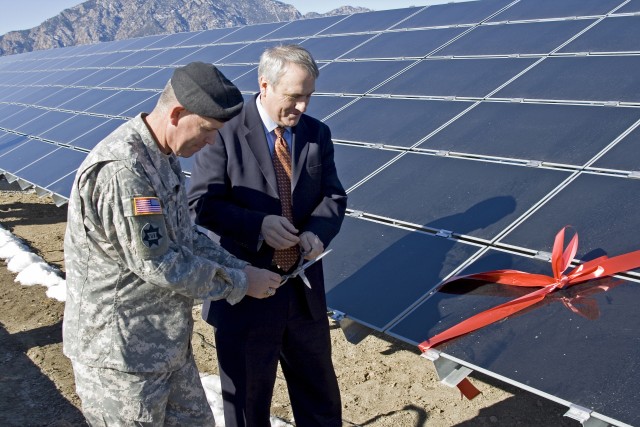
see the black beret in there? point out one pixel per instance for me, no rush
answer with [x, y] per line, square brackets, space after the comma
[202, 89]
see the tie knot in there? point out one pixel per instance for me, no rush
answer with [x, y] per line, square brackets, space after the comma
[279, 131]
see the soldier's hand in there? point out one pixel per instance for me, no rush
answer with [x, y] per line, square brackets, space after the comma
[278, 232]
[261, 283]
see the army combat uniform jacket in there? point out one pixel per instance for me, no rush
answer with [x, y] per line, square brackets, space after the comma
[134, 262]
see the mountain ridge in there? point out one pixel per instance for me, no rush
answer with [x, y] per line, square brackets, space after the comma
[95, 21]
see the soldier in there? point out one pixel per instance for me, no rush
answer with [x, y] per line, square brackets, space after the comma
[135, 264]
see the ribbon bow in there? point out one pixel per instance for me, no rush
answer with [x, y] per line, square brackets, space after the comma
[560, 261]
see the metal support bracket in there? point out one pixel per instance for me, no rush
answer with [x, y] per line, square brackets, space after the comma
[583, 415]
[444, 233]
[353, 331]
[449, 372]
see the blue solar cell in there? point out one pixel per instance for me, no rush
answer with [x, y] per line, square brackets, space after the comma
[129, 77]
[614, 34]
[99, 60]
[602, 209]
[207, 37]
[371, 21]
[474, 78]
[357, 77]
[251, 32]
[49, 96]
[7, 110]
[624, 155]
[305, 27]
[71, 129]
[247, 82]
[136, 58]
[398, 267]
[42, 123]
[24, 155]
[156, 80]
[413, 119]
[330, 48]
[112, 46]
[30, 94]
[62, 187]
[169, 57]
[471, 198]
[145, 106]
[404, 44]
[85, 100]
[544, 9]
[63, 95]
[468, 12]
[21, 78]
[119, 102]
[145, 42]
[250, 53]
[97, 134]
[70, 77]
[559, 334]
[232, 72]
[11, 141]
[212, 54]
[510, 39]
[580, 78]
[354, 163]
[545, 132]
[173, 40]
[100, 76]
[631, 7]
[42, 173]
[21, 117]
[321, 106]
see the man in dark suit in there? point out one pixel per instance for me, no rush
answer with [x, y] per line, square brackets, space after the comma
[269, 188]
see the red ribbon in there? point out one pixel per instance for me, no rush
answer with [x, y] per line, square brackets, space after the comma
[560, 260]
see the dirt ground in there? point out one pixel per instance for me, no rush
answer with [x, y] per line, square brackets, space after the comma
[384, 382]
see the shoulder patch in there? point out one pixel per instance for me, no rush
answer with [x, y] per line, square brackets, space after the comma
[146, 206]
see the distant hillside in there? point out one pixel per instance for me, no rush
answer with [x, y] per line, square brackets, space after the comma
[103, 20]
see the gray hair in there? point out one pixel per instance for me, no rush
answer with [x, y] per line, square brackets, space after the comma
[167, 98]
[274, 62]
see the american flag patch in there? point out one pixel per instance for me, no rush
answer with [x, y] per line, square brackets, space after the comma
[146, 206]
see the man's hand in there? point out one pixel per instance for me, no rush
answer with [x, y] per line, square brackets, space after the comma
[311, 245]
[278, 232]
[261, 283]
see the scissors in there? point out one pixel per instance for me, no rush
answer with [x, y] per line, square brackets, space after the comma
[302, 266]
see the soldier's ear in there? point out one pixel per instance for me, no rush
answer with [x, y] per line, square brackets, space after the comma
[175, 114]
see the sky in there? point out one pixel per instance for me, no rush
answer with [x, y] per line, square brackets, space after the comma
[26, 14]
[31, 269]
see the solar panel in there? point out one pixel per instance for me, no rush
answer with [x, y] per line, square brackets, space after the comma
[467, 135]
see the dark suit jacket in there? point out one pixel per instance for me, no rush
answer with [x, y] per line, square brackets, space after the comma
[233, 187]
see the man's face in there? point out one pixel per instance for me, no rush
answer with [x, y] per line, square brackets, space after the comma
[192, 132]
[286, 101]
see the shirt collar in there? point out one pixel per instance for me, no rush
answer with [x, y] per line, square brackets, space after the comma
[267, 121]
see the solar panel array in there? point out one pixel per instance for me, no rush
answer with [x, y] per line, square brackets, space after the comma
[467, 135]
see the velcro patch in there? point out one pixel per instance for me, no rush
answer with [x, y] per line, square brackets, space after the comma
[146, 206]
[151, 236]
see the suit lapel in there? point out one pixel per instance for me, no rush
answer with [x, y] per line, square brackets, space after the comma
[257, 142]
[300, 149]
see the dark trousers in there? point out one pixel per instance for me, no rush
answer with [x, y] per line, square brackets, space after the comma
[253, 336]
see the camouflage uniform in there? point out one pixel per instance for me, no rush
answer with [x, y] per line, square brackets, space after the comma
[134, 266]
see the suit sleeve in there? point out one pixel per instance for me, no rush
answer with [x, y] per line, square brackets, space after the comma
[327, 216]
[211, 197]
